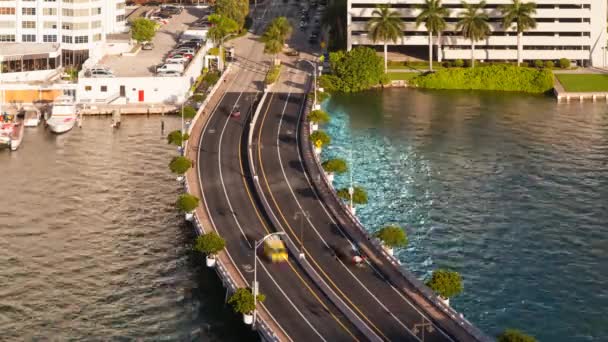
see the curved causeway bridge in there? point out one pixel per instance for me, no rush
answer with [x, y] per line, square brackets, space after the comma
[256, 174]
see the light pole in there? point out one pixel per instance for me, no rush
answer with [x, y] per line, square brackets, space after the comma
[221, 59]
[301, 215]
[314, 66]
[254, 288]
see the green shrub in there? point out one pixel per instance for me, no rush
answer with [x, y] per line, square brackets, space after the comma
[467, 63]
[211, 78]
[359, 195]
[214, 51]
[330, 83]
[538, 63]
[318, 116]
[187, 203]
[176, 138]
[445, 283]
[273, 74]
[198, 97]
[209, 243]
[336, 165]
[564, 63]
[513, 335]
[459, 63]
[320, 138]
[358, 69]
[446, 64]
[549, 64]
[392, 236]
[180, 165]
[495, 77]
[242, 301]
[189, 112]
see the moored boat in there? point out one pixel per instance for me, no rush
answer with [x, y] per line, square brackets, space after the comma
[16, 135]
[32, 117]
[6, 129]
[63, 115]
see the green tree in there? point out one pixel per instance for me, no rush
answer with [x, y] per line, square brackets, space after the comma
[187, 203]
[209, 243]
[433, 16]
[473, 25]
[513, 335]
[359, 195]
[242, 301]
[334, 19]
[336, 165]
[275, 35]
[320, 138]
[180, 165]
[236, 10]
[385, 25]
[358, 69]
[189, 112]
[222, 27]
[318, 116]
[143, 30]
[519, 13]
[392, 236]
[176, 138]
[445, 283]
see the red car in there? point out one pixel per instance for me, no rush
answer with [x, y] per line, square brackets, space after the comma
[236, 113]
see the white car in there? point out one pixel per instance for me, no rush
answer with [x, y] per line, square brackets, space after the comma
[169, 73]
[101, 72]
[176, 60]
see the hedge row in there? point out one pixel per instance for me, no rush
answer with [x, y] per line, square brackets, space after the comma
[495, 77]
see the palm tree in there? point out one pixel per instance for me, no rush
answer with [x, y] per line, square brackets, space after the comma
[520, 14]
[473, 25]
[432, 15]
[334, 19]
[386, 25]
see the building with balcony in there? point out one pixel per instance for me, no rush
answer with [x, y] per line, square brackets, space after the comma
[573, 29]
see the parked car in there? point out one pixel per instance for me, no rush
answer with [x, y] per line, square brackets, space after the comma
[186, 56]
[147, 46]
[100, 72]
[292, 52]
[191, 45]
[169, 73]
[170, 67]
[182, 50]
[176, 60]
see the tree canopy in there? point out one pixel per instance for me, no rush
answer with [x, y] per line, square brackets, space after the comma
[143, 30]
[336, 165]
[242, 300]
[180, 165]
[519, 13]
[222, 27]
[275, 35]
[385, 25]
[473, 22]
[236, 10]
[392, 236]
[359, 195]
[513, 335]
[320, 138]
[445, 283]
[318, 116]
[189, 112]
[209, 243]
[358, 69]
[187, 203]
[176, 138]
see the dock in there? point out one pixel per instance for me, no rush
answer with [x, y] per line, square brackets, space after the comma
[567, 96]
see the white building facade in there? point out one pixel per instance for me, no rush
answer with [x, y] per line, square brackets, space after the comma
[573, 29]
[79, 27]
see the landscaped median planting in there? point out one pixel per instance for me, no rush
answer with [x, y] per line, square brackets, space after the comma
[494, 77]
[584, 82]
[273, 74]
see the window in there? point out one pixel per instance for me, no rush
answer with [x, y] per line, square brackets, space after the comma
[97, 37]
[7, 10]
[104, 88]
[49, 38]
[50, 25]
[88, 88]
[28, 38]
[66, 39]
[7, 24]
[49, 11]
[81, 39]
[96, 24]
[96, 10]
[120, 17]
[7, 37]
[28, 11]
[28, 24]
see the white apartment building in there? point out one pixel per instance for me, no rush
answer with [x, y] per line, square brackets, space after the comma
[38, 35]
[574, 29]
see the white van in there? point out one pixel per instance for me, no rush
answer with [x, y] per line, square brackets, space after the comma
[100, 72]
[170, 67]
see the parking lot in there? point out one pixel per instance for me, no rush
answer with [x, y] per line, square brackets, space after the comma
[145, 62]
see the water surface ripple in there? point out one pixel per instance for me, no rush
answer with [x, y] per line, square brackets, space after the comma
[508, 189]
[91, 247]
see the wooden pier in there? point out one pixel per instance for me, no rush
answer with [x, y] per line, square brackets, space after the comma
[564, 96]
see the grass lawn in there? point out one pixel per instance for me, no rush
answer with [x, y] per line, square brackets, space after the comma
[583, 82]
[406, 76]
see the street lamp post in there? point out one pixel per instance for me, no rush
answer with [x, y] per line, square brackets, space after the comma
[314, 66]
[301, 215]
[254, 287]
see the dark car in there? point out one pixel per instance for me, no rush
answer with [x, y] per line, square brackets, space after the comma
[147, 46]
[292, 52]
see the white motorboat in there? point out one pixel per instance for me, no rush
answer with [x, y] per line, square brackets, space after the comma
[32, 117]
[63, 115]
[17, 134]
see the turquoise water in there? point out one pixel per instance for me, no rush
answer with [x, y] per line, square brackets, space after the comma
[510, 190]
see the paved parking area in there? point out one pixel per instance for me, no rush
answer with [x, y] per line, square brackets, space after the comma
[145, 62]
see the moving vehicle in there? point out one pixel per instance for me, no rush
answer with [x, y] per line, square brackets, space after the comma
[236, 113]
[63, 115]
[274, 249]
[32, 117]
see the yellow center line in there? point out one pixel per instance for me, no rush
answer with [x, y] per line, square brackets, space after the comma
[296, 235]
[257, 212]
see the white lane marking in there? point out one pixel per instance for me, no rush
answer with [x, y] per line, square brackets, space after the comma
[241, 228]
[344, 234]
[200, 182]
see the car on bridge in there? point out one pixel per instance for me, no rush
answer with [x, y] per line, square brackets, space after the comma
[275, 250]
